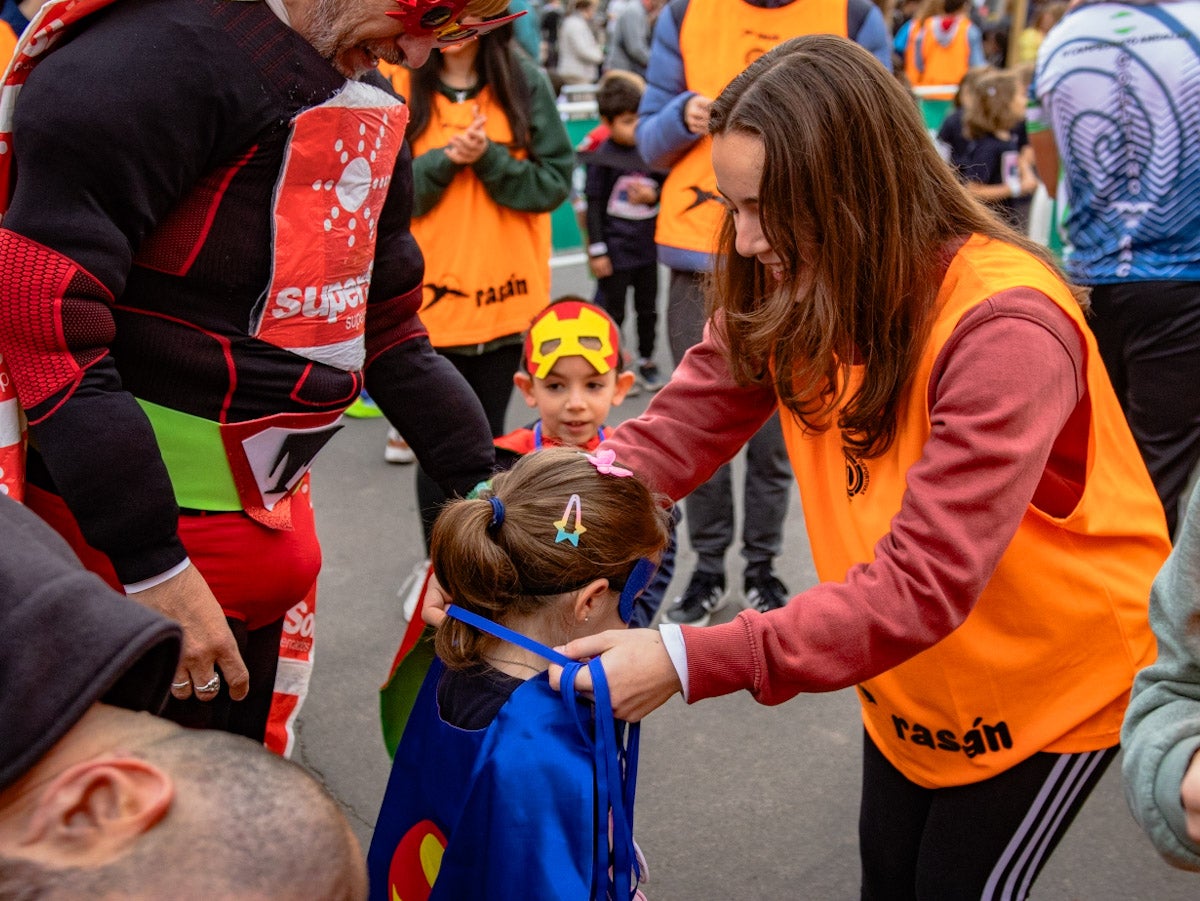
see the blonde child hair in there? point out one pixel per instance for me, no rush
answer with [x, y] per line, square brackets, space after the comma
[992, 109]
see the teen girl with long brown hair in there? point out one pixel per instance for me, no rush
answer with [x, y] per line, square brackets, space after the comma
[982, 523]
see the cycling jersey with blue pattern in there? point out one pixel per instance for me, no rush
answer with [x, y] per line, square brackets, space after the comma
[1119, 84]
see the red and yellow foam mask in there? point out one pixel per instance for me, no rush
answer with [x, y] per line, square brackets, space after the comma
[440, 18]
[571, 328]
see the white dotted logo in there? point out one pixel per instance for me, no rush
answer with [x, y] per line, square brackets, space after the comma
[348, 195]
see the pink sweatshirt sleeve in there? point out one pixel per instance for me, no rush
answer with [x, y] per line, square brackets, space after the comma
[697, 422]
[1001, 396]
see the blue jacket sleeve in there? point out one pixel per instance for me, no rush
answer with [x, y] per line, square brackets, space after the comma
[662, 137]
[873, 35]
[975, 42]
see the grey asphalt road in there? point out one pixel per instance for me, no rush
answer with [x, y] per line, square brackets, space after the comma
[735, 800]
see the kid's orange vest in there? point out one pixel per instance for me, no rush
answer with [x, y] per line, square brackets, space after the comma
[717, 40]
[944, 65]
[1045, 660]
[487, 267]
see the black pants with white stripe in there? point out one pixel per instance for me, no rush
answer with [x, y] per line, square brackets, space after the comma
[983, 841]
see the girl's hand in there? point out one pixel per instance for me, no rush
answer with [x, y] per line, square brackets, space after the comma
[466, 148]
[433, 609]
[601, 266]
[641, 677]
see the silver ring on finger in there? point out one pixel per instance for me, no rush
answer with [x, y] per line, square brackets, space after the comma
[180, 686]
[211, 685]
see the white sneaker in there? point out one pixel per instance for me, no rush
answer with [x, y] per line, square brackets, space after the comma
[397, 450]
[410, 589]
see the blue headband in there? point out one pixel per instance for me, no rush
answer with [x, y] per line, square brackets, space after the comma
[635, 583]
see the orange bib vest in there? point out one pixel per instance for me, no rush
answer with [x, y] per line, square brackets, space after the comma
[487, 267]
[717, 40]
[944, 65]
[911, 72]
[1045, 660]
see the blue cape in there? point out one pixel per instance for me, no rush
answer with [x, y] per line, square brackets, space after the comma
[513, 810]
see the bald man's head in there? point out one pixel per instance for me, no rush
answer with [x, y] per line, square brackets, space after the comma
[242, 824]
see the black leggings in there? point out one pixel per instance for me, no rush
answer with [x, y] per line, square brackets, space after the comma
[1149, 339]
[988, 840]
[248, 717]
[490, 376]
[611, 293]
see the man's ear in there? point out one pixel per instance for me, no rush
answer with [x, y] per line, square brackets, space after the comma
[524, 382]
[624, 383]
[96, 810]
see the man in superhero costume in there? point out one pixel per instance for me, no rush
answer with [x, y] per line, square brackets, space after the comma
[202, 257]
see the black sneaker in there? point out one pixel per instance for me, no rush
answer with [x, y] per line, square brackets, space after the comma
[647, 372]
[764, 591]
[704, 594]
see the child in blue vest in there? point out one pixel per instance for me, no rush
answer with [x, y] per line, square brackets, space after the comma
[501, 786]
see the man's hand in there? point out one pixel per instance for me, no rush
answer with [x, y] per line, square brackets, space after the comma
[695, 114]
[207, 641]
[641, 677]
[1189, 796]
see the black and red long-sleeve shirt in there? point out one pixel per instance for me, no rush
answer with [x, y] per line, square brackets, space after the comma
[150, 254]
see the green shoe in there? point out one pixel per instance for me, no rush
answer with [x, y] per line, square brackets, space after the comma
[363, 408]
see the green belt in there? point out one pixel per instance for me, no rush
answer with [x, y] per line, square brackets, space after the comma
[195, 456]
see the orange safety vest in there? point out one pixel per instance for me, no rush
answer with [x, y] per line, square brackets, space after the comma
[717, 40]
[487, 267]
[8, 43]
[911, 72]
[944, 65]
[1045, 660]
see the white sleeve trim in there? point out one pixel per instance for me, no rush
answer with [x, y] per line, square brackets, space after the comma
[155, 581]
[672, 638]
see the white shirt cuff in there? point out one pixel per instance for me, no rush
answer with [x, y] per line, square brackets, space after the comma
[672, 638]
[155, 581]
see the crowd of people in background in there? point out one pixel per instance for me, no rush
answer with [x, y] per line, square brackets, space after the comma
[161, 408]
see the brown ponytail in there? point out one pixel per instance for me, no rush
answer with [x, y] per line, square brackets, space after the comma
[519, 568]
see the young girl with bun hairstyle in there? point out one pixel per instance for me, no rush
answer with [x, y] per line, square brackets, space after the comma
[515, 789]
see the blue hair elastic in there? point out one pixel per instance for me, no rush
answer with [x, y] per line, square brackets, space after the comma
[497, 513]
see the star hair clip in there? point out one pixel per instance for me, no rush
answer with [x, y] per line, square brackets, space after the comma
[440, 18]
[564, 534]
[605, 463]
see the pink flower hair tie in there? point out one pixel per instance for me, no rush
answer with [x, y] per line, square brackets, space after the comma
[605, 462]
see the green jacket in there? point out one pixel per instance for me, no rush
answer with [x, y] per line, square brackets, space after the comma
[1162, 724]
[538, 184]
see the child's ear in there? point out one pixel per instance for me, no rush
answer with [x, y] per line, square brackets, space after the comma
[590, 599]
[624, 383]
[524, 382]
